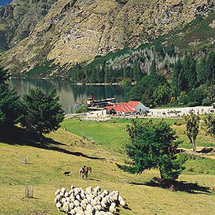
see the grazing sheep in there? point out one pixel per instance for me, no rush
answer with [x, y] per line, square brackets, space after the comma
[89, 190]
[76, 203]
[112, 207]
[58, 205]
[92, 202]
[57, 192]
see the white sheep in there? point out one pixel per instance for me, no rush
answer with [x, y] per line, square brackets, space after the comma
[57, 192]
[89, 190]
[58, 205]
[121, 201]
[112, 207]
[57, 198]
[66, 207]
[76, 203]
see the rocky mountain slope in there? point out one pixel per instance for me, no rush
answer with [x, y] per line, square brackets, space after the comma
[79, 30]
[19, 18]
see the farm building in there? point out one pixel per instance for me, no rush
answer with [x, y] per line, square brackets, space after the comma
[130, 108]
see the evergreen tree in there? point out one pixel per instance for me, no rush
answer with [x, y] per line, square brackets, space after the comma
[153, 69]
[202, 71]
[189, 74]
[176, 78]
[153, 145]
[43, 113]
[211, 68]
[10, 106]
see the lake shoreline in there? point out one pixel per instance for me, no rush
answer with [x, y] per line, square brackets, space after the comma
[72, 83]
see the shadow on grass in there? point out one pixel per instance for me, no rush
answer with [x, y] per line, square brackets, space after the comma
[183, 186]
[19, 136]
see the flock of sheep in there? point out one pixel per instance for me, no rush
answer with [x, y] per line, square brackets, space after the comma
[89, 202]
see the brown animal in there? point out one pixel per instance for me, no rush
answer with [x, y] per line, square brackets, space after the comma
[85, 171]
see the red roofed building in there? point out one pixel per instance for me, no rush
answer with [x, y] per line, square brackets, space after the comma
[130, 108]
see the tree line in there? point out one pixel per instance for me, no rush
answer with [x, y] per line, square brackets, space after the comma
[38, 112]
[192, 84]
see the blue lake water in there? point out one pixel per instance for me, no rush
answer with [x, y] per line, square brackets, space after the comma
[69, 94]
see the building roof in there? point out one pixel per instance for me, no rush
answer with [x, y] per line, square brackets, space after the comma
[133, 104]
[109, 107]
[121, 107]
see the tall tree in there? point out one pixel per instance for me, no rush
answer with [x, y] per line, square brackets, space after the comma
[202, 71]
[153, 69]
[43, 113]
[162, 95]
[153, 145]
[176, 82]
[10, 106]
[189, 75]
[192, 128]
[211, 68]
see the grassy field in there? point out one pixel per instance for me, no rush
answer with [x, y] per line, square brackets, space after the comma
[113, 135]
[64, 151]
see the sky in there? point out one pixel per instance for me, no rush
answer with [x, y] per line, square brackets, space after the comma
[4, 2]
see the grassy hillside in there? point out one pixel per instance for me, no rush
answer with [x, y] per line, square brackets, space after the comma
[112, 134]
[64, 151]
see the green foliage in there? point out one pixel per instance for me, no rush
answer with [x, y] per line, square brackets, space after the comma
[126, 83]
[144, 89]
[153, 70]
[176, 78]
[211, 68]
[162, 95]
[153, 145]
[210, 125]
[192, 128]
[197, 95]
[82, 109]
[43, 113]
[10, 106]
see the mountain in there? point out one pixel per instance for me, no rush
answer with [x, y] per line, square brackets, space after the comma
[19, 18]
[50, 41]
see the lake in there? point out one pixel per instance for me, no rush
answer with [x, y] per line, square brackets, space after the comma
[69, 94]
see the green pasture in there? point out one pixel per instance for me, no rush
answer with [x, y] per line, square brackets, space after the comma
[64, 151]
[113, 135]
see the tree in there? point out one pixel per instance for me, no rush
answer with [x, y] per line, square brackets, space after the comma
[153, 145]
[43, 113]
[211, 68]
[176, 82]
[192, 128]
[145, 88]
[210, 125]
[10, 106]
[202, 71]
[82, 109]
[153, 70]
[162, 95]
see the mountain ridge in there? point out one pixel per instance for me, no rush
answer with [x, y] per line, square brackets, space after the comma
[79, 30]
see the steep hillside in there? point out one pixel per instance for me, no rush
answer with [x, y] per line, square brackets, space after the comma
[19, 18]
[79, 30]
